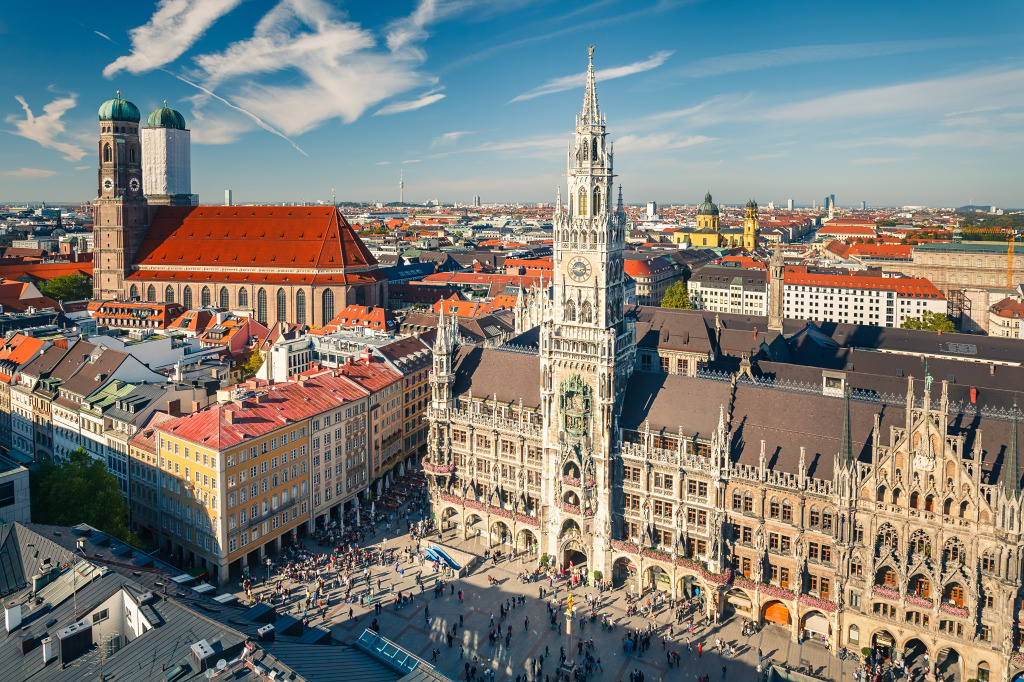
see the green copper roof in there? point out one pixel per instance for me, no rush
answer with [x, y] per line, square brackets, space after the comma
[751, 203]
[119, 109]
[165, 117]
[708, 207]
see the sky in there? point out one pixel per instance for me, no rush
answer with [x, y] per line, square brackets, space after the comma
[892, 103]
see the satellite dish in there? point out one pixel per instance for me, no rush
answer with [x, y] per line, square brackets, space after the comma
[221, 664]
[209, 673]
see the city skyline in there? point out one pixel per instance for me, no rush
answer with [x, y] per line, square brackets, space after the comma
[287, 101]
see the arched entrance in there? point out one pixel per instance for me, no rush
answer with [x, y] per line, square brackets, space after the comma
[883, 642]
[775, 612]
[949, 664]
[738, 602]
[913, 654]
[474, 526]
[526, 541]
[814, 627]
[657, 578]
[500, 534]
[623, 570]
[690, 586]
[449, 518]
[573, 555]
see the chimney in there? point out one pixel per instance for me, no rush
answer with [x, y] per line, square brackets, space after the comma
[230, 416]
[196, 406]
[174, 407]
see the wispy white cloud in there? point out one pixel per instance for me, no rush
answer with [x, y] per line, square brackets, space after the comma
[873, 160]
[449, 138]
[382, 163]
[540, 146]
[579, 79]
[658, 142]
[48, 126]
[171, 31]
[105, 37]
[30, 173]
[410, 105]
[412, 161]
[810, 54]
[82, 168]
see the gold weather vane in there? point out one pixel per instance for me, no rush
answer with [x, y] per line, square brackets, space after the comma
[590, 51]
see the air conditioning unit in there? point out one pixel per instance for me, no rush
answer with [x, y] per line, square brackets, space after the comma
[202, 652]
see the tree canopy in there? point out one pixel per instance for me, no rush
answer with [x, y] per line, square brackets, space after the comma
[936, 322]
[73, 287]
[80, 490]
[252, 364]
[676, 296]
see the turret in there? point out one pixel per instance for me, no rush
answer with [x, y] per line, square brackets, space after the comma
[442, 377]
[776, 290]
[167, 159]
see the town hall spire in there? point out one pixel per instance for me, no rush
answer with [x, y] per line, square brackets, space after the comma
[590, 114]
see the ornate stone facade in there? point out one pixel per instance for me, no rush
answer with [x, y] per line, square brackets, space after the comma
[848, 515]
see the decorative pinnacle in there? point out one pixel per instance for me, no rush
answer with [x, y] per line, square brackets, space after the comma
[590, 113]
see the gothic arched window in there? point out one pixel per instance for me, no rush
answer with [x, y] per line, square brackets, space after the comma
[261, 305]
[169, 294]
[186, 298]
[133, 292]
[131, 154]
[106, 152]
[243, 298]
[581, 203]
[586, 150]
[282, 305]
[597, 200]
[204, 297]
[327, 306]
[300, 307]
[570, 311]
[151, 293]
[225, 301]
[586, 312]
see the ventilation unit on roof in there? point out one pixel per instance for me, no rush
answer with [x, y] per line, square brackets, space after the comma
[74, 640]
[202, 654]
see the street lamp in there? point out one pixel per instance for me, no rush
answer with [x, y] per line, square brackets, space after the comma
[268, 562]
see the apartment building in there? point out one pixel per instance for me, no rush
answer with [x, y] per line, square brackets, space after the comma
[858, 299]
[727, 289]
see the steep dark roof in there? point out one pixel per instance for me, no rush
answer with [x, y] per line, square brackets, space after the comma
[489, 372]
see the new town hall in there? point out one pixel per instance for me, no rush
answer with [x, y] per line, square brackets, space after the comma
[792, 473]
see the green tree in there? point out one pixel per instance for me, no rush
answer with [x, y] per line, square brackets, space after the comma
[936, 322]
[676, 296]
[68, 287]
[252, 364]
[80, 490]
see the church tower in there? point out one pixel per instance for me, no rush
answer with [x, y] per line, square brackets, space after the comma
[750, 226]
[167, 159]
[120, 215]
[587, 349]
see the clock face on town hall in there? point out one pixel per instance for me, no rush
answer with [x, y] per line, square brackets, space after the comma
[579, 269]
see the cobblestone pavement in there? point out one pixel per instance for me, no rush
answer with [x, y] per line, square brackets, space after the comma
[410, 628]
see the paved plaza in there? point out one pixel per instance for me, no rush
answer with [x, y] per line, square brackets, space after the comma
[411, 629]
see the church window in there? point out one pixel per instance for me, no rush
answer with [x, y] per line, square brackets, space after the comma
[186, 298]
[133, 292]
[261, 305]
[151, 293]
[282, 305]
[570, 311]
[243, 298]
[204, 297]
[106, 152]
[586, 150]
[300, 307]
[328, 306]
[582, 201]
[131, 154]
[586, 312]
[597, 200]
[169, 294]
[224, 299]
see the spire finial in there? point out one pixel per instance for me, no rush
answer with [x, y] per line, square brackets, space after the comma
[118, 93]
[165, 103]
[590, 113]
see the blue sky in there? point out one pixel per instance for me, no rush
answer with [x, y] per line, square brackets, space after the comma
[892, 103]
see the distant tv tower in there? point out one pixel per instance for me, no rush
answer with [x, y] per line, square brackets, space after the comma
[401, 186]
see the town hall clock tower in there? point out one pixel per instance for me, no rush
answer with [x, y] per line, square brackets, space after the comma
[587, 349]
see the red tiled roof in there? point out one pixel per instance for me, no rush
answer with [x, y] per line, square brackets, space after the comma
[645, 267]
[300, 237]
[1008, 307]
[910, 286]
[361, 316]
[859, 230]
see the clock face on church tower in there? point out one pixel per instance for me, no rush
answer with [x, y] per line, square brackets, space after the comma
[108, 184]
[579, 269]
[133, 184]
